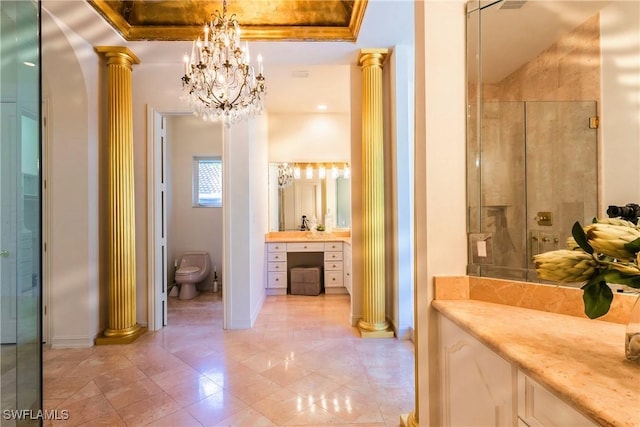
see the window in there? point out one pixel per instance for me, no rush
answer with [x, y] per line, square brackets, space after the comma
[207, 182]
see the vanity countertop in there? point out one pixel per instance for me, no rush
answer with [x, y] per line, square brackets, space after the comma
[581, 360]
[307, 236]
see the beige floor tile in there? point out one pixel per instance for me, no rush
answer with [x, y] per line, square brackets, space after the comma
[301, 364]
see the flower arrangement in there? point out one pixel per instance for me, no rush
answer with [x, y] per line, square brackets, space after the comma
[606, 251]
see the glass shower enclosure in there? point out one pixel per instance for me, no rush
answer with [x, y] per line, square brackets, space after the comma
[20, 219]
[532, 147]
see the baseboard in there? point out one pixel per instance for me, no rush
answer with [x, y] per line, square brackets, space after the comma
[71, 342]
[404, 333]
[256, 311]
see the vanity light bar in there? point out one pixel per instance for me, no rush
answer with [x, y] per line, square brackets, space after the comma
[336, 168]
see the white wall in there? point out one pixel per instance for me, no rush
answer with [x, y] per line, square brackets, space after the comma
[245, 182]
[309, 137]
[440, 175]
[70, 85]
[191, 228]
[400, 182]
[620, 110]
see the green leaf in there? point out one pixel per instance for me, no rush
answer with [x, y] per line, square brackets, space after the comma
[615, 276]
[634, 246]
[581, 238]
[597, 297]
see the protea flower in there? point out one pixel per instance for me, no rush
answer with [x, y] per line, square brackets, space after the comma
[609, 239]
[572, 244]
[566, 266]
[630, 269]
[616, 221]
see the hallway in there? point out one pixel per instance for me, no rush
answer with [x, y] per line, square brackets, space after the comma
[301, 364]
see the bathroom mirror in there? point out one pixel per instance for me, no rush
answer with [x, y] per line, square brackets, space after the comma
[314, 195]
[553, 128]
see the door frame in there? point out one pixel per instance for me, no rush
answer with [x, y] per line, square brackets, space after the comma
[156, 222]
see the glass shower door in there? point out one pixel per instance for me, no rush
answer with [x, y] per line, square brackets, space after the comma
[533, 174]
[20, 265]
[562, 171]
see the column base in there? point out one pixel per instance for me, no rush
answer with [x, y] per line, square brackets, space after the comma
[375, 330]
[408, 420]
[113, 338]
[384, 333]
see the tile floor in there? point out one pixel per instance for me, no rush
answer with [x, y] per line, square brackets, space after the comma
[301, 364]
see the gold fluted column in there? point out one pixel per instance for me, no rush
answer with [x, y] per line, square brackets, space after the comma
[374, 322]
[122, 327]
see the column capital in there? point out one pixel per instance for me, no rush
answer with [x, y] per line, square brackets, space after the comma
[118, 54]
[368, 57]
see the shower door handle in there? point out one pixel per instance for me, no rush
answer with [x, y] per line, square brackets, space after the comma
[4, 254]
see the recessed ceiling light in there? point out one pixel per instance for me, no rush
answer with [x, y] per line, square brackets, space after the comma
[321, 107]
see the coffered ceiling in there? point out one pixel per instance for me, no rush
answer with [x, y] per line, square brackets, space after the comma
[265, 20]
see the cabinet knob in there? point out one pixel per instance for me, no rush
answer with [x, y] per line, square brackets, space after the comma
[277, 280]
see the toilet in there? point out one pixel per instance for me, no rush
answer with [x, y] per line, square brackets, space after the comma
[194, 268]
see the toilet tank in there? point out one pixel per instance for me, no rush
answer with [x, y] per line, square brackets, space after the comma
[196, 259]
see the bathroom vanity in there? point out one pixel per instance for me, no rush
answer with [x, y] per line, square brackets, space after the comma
[511, 354]
[287, 249]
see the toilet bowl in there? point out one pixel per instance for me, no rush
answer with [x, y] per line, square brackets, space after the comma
[194, 268]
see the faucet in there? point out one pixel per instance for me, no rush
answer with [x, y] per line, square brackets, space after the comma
[305, 223]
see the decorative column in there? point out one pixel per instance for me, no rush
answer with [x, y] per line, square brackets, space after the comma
[373, 323]
[122, 327]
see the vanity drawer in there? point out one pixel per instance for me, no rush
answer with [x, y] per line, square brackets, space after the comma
[277, 266]
[333, 279]
[277, 280]
[334, 266]
[276, 247]
[333, 256]
[305, 247]
[333, 246]
[276, 256]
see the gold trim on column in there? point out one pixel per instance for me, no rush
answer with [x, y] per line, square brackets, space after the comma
[374, 322]
[122, 326]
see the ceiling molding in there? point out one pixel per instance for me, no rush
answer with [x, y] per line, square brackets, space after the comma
[284, 20]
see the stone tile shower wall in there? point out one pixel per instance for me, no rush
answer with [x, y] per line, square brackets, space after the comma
[538, 152]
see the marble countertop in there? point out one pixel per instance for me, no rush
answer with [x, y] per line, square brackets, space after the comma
[581, 360]
[307, 236]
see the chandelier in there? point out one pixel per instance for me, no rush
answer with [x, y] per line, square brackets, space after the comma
[285, 175]
[219, 82]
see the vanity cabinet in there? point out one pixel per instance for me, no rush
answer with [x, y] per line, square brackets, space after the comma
[476, 383]
[479, 387]
[333, 265]
[347, 266]
[277, 266]
[539, 407]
